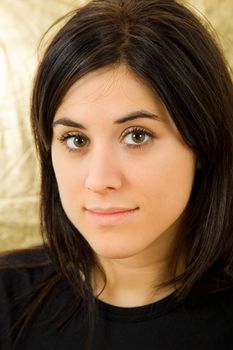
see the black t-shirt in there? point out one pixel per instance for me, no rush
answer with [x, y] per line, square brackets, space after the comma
[200, 323]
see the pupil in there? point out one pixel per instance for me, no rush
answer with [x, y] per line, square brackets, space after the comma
[79, 141]
[138, 137]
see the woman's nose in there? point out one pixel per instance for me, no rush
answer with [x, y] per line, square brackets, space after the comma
[103, 172]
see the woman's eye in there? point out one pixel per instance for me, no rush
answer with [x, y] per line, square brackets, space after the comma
[137, 136]
[74, 142]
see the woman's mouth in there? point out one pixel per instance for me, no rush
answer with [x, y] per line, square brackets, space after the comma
[110, 216]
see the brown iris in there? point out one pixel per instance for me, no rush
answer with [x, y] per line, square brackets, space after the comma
[138, 137]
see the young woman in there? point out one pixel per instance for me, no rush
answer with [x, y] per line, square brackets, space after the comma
[132, 118]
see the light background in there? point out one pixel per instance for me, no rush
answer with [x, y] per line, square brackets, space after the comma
[22, 23]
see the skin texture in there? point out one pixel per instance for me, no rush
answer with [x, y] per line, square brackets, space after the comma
[107, 171]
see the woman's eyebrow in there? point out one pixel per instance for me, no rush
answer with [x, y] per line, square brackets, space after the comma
[128, 117]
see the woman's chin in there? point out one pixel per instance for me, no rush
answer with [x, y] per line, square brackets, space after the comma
[113, 252]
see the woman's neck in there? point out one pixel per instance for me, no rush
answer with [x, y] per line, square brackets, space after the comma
[131, 284]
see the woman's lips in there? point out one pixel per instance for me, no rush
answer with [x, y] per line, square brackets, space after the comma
[110, 216]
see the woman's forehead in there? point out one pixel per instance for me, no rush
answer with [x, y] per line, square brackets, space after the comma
[113, 86]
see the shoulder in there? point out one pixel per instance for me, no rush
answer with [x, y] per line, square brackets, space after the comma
[214, 299]
[22, 273]
[212, 311]
[21, 270]
[37, 254]
[223, 301]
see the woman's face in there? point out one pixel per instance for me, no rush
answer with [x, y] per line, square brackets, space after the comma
[124, 173]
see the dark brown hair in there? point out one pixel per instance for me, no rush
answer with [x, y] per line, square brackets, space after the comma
[169, 48]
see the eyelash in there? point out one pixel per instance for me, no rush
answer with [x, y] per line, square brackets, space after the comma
[64, 138]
